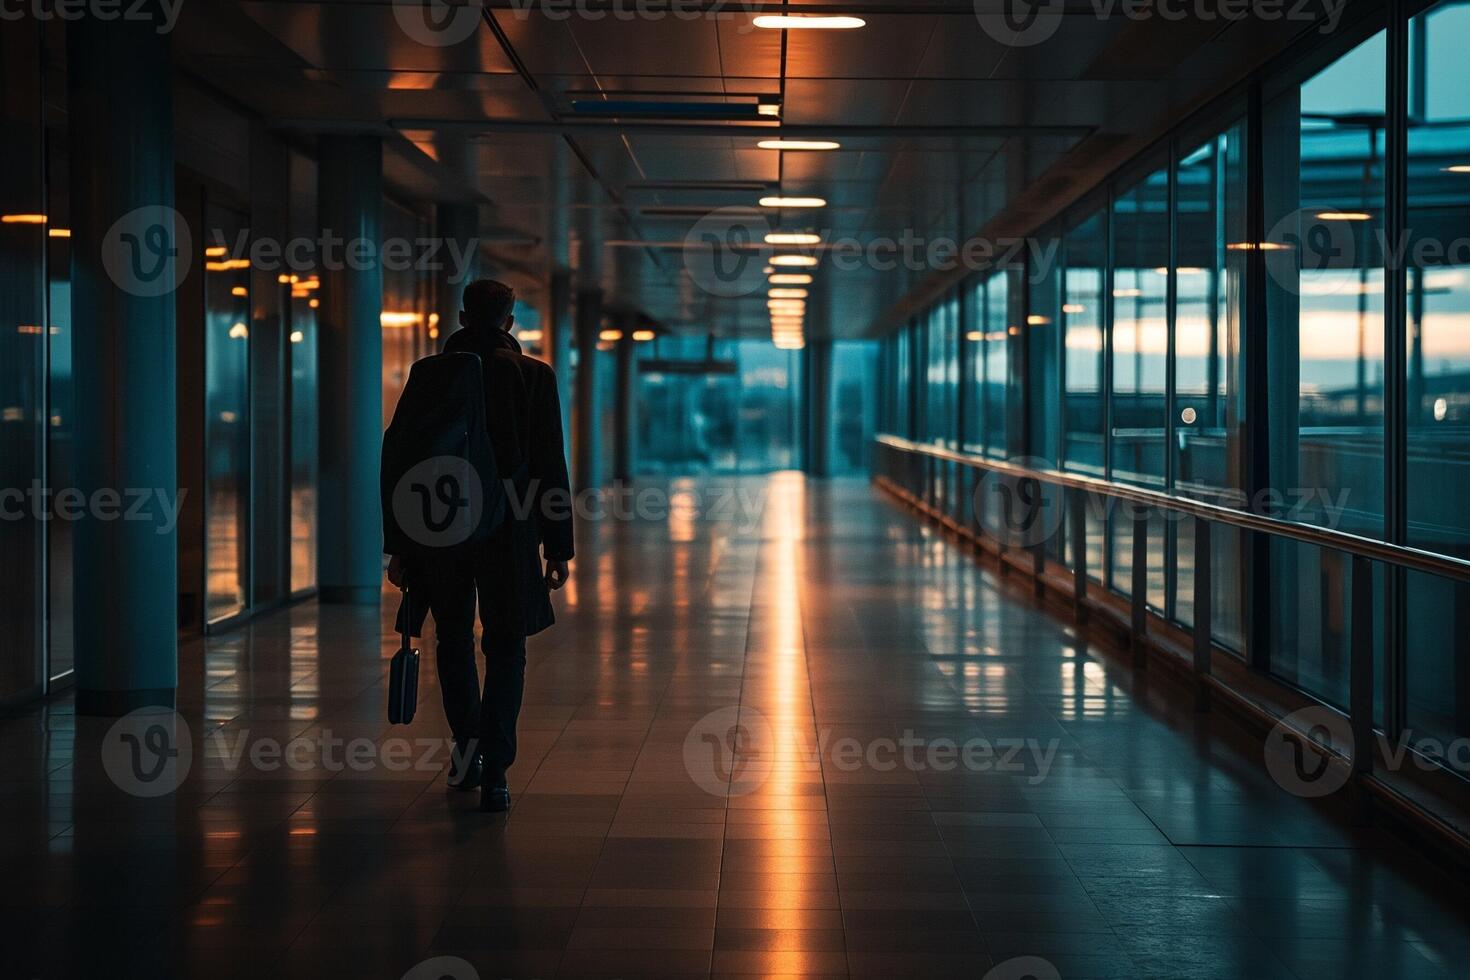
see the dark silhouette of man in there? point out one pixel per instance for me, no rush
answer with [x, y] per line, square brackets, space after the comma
[523, 414]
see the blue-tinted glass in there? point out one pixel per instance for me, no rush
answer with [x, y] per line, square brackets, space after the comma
[1437, 389]
[1208, 370]
[1082, 365]
[1323, 153]
[227, 419]
[1140, 330]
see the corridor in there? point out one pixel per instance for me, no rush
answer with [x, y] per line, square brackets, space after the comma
[930, 776]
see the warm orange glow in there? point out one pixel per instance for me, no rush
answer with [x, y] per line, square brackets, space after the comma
[787, 294]
[792, 238]
[1344, 216]
[610, 336]
[59, 232]
[1073, 308]
[239, 291]
[974, 336]
[314, 303]
[297, 336]
[529, 336]
[404, 319]
[790, 279]
[1037, 320]
[239, 332]
[776, 201]
[22, 219]
[433, 319]
[798, 261]
[799, 145]
[812, 22]
[643, 336]
[216, 252]
[1459, 168]
[228, 265]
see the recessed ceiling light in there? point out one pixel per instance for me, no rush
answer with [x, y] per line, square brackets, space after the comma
[815, 22]
[801, 261]
[793, 202]
[1459, 168]
[643, 336]
[787, 294]
[790, 279]
[610, 335]
[1344, 216]
[792, 238]
[22, 219]
[809, 145]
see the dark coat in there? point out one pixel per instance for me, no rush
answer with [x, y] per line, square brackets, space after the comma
[523, 415]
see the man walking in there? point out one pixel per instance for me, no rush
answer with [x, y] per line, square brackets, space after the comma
[523, 417]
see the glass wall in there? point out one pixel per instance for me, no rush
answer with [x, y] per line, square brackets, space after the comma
[854, 363]
[734, 406]
[987, 345]
[1084, 285]
[1323, 160]
[1209, 381]
[1259, 359]
[1437, 389]
[226, 419]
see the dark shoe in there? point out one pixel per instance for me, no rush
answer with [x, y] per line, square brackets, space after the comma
[465, 770]
[495, 796]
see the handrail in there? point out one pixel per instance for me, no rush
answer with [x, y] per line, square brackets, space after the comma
[1412, 558]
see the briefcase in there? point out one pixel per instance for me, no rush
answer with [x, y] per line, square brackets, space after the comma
[403, 674]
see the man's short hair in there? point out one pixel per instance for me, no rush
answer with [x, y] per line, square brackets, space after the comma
[489, 302]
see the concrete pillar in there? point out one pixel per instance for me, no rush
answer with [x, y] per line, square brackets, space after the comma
[817, 363]
[559, 339]
[585, 416]
[625, 404]
[350, 199]
[129, 252]
[459, 226]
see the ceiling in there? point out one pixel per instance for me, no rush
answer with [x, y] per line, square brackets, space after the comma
[945, 132]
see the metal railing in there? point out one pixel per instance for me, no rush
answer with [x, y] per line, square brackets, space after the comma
[907, 466]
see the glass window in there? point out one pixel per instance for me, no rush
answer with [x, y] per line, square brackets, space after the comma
[1140, 368]
[1211, 214]
[1323, 150]
[995, 361]
[852, 409]
[941, 380]
[902, 416]
[1084, 280]
[1437, 389]
[1140, 330]
[1043, 356]
[227, 418]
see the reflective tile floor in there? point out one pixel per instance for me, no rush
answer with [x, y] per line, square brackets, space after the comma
[929, 776]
